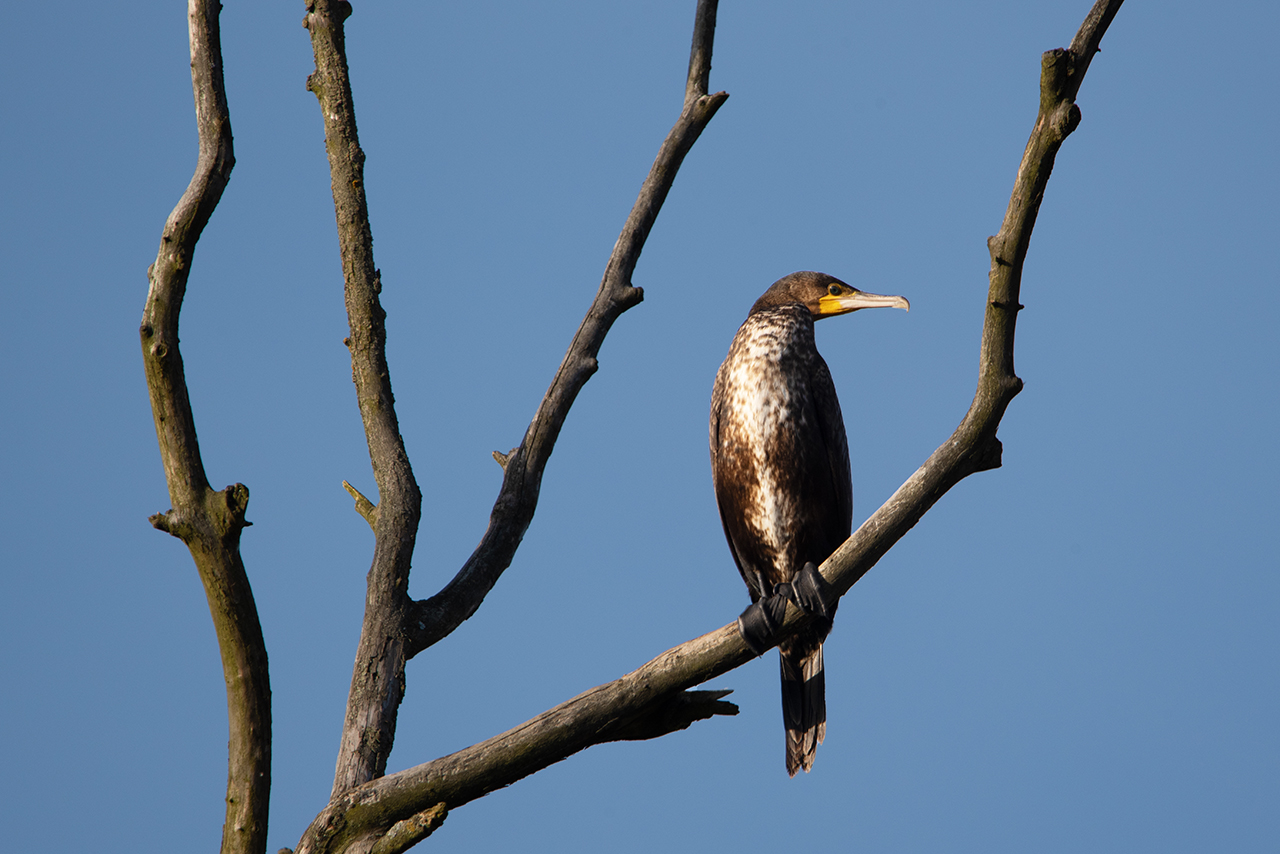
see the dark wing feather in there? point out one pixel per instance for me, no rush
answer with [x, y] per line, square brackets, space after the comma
[837, 522]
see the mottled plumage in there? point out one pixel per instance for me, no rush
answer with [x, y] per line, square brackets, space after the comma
[780, 466]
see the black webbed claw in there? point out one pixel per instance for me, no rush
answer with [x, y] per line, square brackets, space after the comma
[810, 591]
[775, 611]
[759, 623]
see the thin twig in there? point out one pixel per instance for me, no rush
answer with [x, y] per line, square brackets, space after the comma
[366, 508]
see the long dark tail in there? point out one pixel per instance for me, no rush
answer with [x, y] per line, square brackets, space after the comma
[804, 701]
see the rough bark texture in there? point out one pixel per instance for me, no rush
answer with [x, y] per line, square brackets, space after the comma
[209, 522]
[395, 628]
[635, 702]
[377, 680]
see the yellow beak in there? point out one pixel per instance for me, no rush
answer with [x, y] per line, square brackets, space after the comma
[830, 306]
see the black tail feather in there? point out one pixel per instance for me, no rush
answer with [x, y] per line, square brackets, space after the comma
[804, 704]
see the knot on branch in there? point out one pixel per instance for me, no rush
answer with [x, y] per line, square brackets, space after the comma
[235, 500]
[340, 11]
[503, 459]
[705, 107]
[1057, 102]
[630, 297]
[1055, 68]
[1066, 120]
[171, 522]
[990, 454]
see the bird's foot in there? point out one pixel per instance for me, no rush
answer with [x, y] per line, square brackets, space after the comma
[808, 590]
[759, 623]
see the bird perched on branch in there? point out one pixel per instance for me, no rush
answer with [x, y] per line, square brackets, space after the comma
[780, 465]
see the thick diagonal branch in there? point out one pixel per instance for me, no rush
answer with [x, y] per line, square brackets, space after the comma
[377, 680]
[435, 618]
[209, 522]
[601, 714]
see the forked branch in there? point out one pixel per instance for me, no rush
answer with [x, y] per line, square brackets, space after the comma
[606, 712]
[395, 628]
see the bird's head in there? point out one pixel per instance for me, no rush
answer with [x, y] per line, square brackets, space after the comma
[823, 295]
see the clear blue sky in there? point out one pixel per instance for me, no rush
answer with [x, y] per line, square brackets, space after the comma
[1077, 652]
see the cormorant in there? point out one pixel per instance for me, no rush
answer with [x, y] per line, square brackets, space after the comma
[780, 465]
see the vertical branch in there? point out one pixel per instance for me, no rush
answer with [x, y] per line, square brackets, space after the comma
[209, 522]
[377, 681]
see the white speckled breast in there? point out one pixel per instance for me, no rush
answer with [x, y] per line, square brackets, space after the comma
[760, 411]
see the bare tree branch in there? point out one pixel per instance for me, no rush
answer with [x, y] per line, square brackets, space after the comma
[607, 712]
[1087, 41]
[209, 522]
[394, 627]
[973, 446]
[377, 680]
[648, 703]
[435, 618]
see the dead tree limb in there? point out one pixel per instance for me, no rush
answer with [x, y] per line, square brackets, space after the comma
[973, 447]
[377, 679]
[209, 522]
[607, 712]
[396, 628]
[438, 616]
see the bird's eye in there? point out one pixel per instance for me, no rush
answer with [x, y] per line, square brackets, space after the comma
[834, 290]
